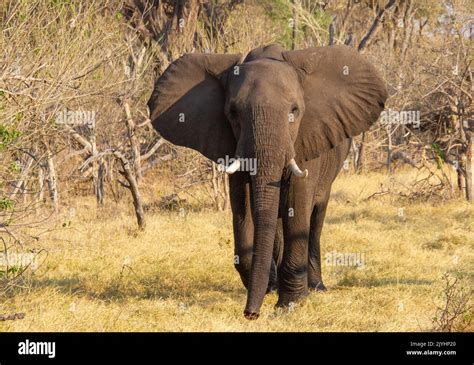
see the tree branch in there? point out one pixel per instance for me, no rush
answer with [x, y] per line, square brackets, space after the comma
[375, 25]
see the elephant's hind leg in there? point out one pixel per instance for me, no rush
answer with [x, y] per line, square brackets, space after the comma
[315, 280]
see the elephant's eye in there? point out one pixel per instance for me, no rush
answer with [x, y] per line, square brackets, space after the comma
[294, 110]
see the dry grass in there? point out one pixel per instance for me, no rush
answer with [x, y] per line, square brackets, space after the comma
[102, 275]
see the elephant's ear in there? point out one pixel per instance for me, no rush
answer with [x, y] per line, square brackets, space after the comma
[187, 104]
[344, 95]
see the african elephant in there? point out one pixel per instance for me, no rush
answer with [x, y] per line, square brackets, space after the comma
[290, 112]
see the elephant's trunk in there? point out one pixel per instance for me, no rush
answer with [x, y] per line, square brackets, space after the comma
[266, 198]
[272, 156]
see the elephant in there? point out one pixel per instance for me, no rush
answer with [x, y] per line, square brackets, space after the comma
[292, 113]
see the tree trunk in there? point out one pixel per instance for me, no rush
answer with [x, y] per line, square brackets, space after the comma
[21, 182]
[40, 184]
[360, 154]
[226, 192]
[135, 144]
[468, 164]
[52, 179]
[97, 169]
[293, 28]
[100, 192]
[133, 187]
[389, 149]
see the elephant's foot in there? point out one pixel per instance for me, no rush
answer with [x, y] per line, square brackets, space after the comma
[272, 283]
[251, 316]
[319, 286]
[286, 300]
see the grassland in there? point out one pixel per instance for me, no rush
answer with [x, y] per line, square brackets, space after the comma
[101, 274]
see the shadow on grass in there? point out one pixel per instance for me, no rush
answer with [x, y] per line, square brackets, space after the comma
[362, 214]
[374, 282]
[192, 290]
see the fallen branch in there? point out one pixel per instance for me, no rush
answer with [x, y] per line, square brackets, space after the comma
[11, 317]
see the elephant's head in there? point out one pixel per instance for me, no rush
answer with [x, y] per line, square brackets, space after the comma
[278, 107]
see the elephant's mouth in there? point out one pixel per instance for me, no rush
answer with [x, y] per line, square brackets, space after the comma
[235, 166]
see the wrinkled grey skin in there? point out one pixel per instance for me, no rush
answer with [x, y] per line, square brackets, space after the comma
[303, 105]
[296, 264]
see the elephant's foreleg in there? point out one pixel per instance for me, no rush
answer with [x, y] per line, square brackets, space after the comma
[240, 198]
[277, 256]
[315, 280]
[293, 271]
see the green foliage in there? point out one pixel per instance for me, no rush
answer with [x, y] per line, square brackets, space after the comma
[429, 10]
[310, 21]
[60, 3]
[280, 13]
[439, 154]
[6, 204]
[278, 10]
[14, 167]
[12, 270]
[8, 136]
[455, 312]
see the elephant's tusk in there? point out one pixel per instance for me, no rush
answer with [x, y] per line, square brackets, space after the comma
[296, 170]
[233, 167]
